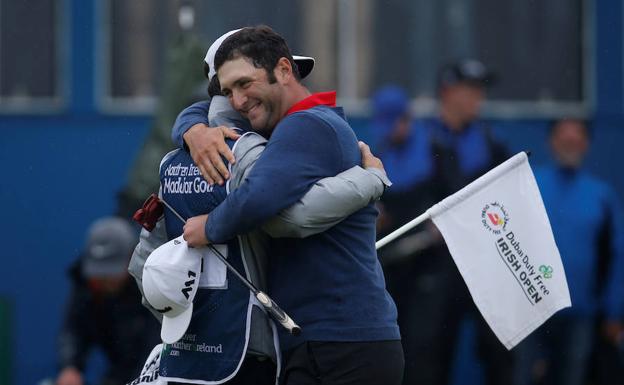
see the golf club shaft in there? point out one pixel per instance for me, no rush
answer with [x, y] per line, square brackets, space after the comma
[269, 305]
[218, 254]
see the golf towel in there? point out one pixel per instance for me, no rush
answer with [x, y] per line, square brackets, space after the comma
[150, 371]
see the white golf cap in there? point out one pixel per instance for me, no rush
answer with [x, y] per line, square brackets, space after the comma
[305, 64]
[170, 281]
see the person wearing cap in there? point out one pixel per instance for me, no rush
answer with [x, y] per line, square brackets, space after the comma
[169, 266]
[446, 152]
[104, 308]
[330, 283]
[193, 132]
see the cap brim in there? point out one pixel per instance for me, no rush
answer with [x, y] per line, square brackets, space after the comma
[173, 329]
[305, 64]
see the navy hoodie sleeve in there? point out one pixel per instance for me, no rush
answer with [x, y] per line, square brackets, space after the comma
[190, 116]
[302, 150]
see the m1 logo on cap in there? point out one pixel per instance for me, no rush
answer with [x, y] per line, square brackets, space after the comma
[189, 284]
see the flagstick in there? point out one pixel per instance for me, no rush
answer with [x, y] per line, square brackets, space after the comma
[402, 230]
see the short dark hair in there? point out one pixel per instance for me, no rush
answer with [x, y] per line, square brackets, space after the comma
[214, 88]
[263, 46]
[206, 70]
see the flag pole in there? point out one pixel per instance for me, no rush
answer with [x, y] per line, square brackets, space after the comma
[402, 230]
[419, 219]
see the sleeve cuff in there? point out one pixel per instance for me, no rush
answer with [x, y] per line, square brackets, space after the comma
[381, 174]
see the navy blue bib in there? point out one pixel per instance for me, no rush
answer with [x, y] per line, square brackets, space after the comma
[215, 342]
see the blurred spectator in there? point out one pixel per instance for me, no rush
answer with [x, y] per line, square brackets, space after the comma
[406, 153]
[427, 161]
[181, 85]
[587, 222]
[104, 308]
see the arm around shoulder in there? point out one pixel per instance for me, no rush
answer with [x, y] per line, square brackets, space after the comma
[194, 114]
[328, 202]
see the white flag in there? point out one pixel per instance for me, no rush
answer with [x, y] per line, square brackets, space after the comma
[498, 233]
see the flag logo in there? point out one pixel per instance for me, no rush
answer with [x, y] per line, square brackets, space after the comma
[494, 217]
[546, 270]
[509, 260]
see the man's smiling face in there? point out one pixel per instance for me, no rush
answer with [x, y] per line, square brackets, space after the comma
[251, 93]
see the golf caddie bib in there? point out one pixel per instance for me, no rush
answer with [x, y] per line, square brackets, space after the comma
[214, 345]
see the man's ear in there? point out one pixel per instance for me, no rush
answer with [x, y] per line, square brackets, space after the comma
[283, 70]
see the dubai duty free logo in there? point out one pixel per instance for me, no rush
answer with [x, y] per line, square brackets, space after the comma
[494, 217]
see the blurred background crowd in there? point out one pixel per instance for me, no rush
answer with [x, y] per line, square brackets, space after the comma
[442, 91]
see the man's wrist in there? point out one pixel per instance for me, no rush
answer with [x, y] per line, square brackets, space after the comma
[184, 143]
[187, 132]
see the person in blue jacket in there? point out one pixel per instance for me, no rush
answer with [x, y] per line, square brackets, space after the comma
[586, 219]
[429, 159]
[332, 282]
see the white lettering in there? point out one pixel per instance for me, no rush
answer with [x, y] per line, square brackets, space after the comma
[177, 186]
[194, 170]
[210, 348]
[173, 170]
[201, 186]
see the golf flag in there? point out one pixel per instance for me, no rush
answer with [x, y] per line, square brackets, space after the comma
[498, 233]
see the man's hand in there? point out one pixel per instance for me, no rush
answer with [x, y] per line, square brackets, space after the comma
[69, 376]
[207, 145]
[195, 231]
[368, 159]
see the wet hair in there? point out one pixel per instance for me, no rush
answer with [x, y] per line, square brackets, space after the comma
[261, 45]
